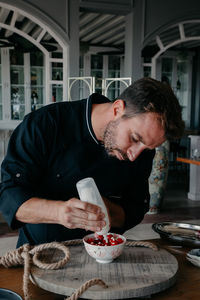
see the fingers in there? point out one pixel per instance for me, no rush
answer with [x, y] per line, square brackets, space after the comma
[90, 216]
[74, 202]
[78, 214]
[75, 222]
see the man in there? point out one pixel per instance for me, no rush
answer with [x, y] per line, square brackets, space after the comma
[59, 144]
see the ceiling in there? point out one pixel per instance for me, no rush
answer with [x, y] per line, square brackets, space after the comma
[102, 27]
[102, 24]
[102, 30]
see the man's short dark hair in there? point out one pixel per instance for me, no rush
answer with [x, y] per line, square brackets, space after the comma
[150, 95]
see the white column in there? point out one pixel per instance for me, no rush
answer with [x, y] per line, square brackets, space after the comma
[65, 72]
[73, 15]
[74, 37]
[122, 66]
[128, 59]
[194, 187]
[48, 76]
[105, 66]
[87, 64]
[6, 93]
[27, 83]
[133, 41]
[86, 73]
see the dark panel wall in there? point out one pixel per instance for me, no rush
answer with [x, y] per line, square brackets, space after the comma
[56, 10]
[160, 12]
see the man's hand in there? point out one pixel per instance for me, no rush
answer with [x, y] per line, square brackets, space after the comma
[71, 214]
[77, 214]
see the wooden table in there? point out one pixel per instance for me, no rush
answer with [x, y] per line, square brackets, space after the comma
[187, 286]
[188, 160]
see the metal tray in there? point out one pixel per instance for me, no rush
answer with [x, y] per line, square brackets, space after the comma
[178, 238]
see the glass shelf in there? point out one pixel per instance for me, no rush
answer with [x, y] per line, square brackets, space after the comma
[37, 88]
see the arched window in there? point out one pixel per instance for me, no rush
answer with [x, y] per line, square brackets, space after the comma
[33, 63]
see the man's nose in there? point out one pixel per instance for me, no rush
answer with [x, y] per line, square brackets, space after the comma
[135, 150]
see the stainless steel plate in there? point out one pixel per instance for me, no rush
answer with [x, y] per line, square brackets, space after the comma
[181, 239]
[9, 295]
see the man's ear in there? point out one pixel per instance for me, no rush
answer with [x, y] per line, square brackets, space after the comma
[118, 108]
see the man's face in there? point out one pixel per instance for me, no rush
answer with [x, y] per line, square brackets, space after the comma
[127, 138]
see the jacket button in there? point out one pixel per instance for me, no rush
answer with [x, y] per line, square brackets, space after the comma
[18, 175]
[145, 201]
[58, 175]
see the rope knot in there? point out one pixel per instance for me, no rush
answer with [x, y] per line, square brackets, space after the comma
[25, 250]
[14, 258]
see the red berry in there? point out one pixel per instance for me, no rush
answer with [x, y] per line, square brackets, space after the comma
[90, 240]
[108, 240]
[119, 240]
[109, 236]
[113, 243]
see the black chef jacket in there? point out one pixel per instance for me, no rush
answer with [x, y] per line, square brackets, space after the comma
[52, 149]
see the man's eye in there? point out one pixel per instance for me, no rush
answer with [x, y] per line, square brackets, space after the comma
[134, 139]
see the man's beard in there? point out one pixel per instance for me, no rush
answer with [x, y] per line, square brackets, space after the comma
[109, 139]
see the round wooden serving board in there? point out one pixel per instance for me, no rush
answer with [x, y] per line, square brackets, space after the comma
[138, 272]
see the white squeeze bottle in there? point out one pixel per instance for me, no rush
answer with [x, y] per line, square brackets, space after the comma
[88, 192]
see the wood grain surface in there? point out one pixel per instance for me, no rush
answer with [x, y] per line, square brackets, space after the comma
[138, 272]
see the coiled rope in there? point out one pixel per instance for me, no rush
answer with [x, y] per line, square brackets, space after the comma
[27, 255]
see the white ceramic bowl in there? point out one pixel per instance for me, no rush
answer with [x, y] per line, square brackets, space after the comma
[104, 254]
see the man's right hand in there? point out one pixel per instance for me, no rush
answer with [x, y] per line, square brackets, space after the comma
[78, 214]
[71, 214]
